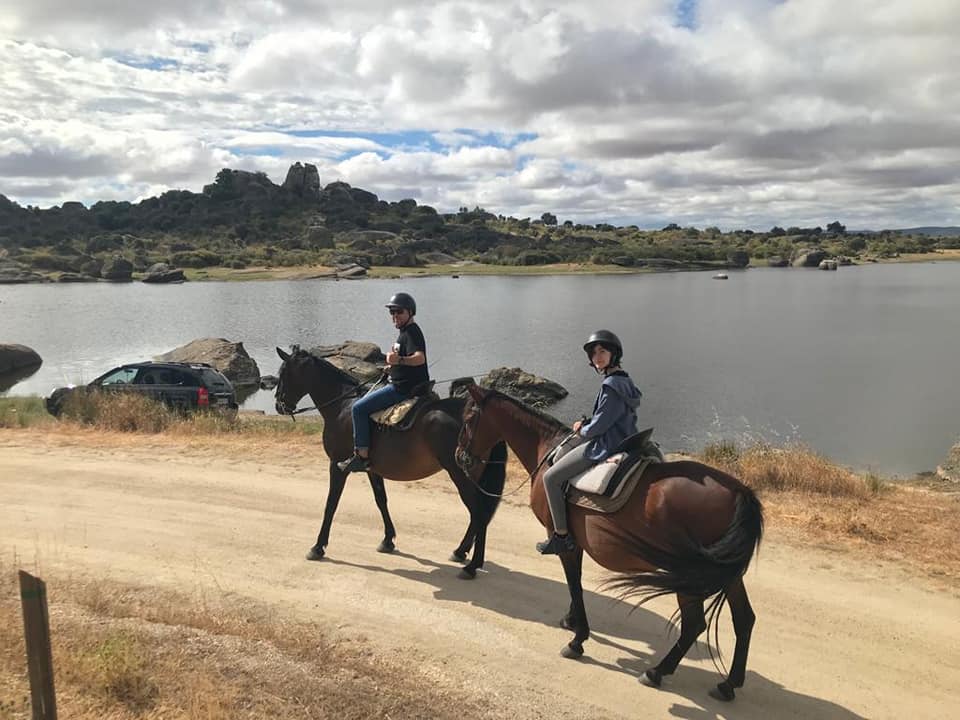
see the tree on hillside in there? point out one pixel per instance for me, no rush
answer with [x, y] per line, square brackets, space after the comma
[836, 228]
[548, 219]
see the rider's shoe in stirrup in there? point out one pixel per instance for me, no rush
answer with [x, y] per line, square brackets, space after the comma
[356, 463]
[557, 544]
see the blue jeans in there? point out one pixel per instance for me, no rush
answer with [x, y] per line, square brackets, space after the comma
[370, 403]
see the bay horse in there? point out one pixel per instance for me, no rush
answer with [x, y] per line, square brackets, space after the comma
[427, 447]
[687, 529]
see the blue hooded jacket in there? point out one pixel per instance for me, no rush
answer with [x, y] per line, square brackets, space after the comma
[614, 416]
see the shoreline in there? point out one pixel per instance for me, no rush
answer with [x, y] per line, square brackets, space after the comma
[469, 267]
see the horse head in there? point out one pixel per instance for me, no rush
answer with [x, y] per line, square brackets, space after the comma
[291, 380]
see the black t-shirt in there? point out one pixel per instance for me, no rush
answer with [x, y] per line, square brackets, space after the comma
[406, 377]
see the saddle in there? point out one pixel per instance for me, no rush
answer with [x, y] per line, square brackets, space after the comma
[403, 415]
[607, 486]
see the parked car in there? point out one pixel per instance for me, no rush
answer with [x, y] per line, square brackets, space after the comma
[186, 387]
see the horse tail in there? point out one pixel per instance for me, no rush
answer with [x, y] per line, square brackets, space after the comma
[698, 570]
[493, 478]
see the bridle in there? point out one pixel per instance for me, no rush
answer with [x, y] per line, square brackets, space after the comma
[467, 460]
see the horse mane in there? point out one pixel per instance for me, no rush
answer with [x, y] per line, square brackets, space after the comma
[532, 417]
[344, 376]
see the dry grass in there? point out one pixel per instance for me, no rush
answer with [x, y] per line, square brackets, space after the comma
[815, 502]
[123, 651]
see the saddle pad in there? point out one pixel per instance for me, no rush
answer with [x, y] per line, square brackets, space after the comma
[603, 504]
[597, 478]
[395, 413]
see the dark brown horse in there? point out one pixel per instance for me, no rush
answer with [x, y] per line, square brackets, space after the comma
[427, 447]
[687, 529]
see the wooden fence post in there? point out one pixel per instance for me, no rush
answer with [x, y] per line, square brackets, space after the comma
[36, 630]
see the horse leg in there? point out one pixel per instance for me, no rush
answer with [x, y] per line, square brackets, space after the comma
[337, 482]
[486, 494]
[576, 619]
[380, 495]
[743, 620]
[460, 554]
[692, 624]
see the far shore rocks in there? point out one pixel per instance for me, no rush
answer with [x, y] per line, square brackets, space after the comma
[809, 258]
[228, 357]
[163, 273]
[14, 357]
[117, 269]
[527, 387]
[12, 273]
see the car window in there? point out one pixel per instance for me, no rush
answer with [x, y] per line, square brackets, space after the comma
[212, 378]
[119, 377]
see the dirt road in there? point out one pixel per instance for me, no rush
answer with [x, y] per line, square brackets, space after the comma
[835, 638]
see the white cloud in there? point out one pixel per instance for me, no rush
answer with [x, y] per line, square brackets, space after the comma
[767, 112]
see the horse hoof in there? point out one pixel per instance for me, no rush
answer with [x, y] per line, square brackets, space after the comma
[722, 692]
[316, 553]
[458, 558]
[386, 546]
[651, 678]
[467, 574]
[572, 652]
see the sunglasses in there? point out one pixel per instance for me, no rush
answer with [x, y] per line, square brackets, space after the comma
[397, 311]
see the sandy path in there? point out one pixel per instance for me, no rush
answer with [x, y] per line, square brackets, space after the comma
[835, 638]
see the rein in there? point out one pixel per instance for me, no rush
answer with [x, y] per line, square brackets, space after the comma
[352, 392]
[466, 460]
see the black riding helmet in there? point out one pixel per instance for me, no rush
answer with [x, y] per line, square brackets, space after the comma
[404, 301]
[610, 341]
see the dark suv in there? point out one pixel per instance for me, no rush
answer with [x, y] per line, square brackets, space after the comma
[182, 386]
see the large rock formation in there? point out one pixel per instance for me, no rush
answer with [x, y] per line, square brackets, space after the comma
[529, 388]
[303, 181]
[228, 357]
[362, 360]
[12, 273]
[15, 357]
[808, 258]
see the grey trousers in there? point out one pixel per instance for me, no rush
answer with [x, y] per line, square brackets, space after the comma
[555, 482]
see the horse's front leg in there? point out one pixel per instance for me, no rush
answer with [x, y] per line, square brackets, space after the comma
[337, 482]
[576, 618]
[380, 495]
[460, 554]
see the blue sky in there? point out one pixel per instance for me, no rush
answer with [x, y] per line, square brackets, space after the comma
[736, 113]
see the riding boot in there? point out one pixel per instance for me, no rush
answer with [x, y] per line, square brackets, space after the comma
[356, 463]
[557, 544]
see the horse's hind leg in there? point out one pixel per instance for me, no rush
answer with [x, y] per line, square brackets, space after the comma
[743, 620]
[692, 624]
[380, 495]
[337, 482]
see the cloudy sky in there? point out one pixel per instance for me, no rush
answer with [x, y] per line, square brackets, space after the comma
[736, 113]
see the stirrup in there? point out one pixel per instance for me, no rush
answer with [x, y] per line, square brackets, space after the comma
[557, 544]
[356, 463]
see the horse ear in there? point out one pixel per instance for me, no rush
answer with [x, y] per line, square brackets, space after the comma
[283, 355]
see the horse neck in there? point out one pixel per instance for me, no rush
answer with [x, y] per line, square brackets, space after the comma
[324, 388]
[529, 436]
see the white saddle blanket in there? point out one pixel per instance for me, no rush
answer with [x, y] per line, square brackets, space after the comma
[596, 479]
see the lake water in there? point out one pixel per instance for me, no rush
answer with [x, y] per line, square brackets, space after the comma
[858, 363]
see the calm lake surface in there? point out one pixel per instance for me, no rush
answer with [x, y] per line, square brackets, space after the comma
[860, 363]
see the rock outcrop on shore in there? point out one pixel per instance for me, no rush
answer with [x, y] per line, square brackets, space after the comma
[950, 468]
[527, 387]
[361, 360]
[14, 357]
[163, 273]
[228, 357]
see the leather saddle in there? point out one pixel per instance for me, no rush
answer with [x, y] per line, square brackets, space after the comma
[404, 414]
[629, 458]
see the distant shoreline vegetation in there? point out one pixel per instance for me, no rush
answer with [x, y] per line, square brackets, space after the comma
[243, 221]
